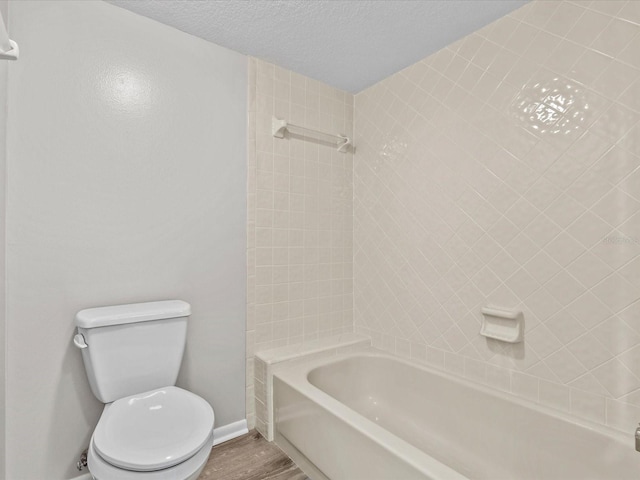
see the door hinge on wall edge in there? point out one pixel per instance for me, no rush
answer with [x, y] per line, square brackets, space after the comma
[82, 463]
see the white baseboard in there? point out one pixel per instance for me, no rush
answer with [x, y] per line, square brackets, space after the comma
[85, 476]
[229, 432]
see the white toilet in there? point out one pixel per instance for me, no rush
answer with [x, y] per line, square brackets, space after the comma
[149, 428]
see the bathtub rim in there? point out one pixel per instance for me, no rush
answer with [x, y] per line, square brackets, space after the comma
[421, 461]
[296, 375]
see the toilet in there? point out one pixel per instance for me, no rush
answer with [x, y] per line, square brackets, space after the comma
[149, 428]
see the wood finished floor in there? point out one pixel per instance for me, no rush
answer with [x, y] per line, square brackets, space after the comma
[250, 457]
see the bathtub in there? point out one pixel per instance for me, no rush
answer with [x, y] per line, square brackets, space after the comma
[374, 416]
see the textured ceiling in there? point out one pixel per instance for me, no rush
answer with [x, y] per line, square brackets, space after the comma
[350, 44]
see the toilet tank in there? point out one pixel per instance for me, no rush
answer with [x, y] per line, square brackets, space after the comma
[129, 349]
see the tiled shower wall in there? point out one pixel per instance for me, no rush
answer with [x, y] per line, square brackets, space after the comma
[503, 170]
[300, 215]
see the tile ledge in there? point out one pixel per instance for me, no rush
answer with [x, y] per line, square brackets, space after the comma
[282, 354]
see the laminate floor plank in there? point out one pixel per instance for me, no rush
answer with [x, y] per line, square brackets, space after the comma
[250, 457]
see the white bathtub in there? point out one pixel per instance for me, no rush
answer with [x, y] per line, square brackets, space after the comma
[373, 416]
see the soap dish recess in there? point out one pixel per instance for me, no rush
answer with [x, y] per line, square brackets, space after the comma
[504, 325]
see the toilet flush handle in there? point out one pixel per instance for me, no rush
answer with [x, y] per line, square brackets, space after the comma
[80, 341]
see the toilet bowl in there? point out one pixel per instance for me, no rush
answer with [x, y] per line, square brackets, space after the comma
[149, 428]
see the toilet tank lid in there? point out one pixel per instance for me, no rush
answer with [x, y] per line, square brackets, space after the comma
[132, 313]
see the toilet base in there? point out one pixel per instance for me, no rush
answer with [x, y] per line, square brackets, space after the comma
[190, 469]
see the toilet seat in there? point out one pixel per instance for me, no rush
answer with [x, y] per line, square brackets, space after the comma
[154, 430]
[190, 469]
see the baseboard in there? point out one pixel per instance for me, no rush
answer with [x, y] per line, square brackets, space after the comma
[229, 432]
[85, 476]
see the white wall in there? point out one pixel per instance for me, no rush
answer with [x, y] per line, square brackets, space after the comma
[126, 158]
[3, 165]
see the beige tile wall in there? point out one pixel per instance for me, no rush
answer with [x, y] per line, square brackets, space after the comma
[503, 170]
[267, 361]
[300, 215]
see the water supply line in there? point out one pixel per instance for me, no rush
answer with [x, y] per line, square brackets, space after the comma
[8, 48]
[82, 463]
